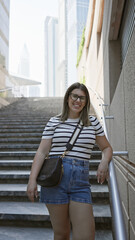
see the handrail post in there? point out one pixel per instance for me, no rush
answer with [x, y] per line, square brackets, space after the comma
[119, 230]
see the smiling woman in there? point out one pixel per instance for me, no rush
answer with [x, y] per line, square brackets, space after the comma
[71, 200]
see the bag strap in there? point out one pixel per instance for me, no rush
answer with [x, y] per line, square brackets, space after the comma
[73, 138]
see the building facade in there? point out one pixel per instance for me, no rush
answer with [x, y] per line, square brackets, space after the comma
[4, 43]
[51, 56]
[71, 22]
[29, 90]
[108, 66]
[62, 49]
[23, 71]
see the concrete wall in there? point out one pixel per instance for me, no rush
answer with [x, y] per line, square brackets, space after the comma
[101, 66]
[122, 106]
[122, 135]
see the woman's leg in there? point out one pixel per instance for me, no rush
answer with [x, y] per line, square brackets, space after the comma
[82, 219]
[59, 215]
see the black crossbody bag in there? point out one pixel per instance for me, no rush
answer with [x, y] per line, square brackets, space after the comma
[52, 169]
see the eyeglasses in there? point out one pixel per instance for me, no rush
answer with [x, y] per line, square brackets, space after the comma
[74, 97]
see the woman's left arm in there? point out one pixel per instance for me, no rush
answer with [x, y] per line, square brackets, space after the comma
[105, 147]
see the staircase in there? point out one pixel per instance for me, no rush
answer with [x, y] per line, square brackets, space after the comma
[21, 127]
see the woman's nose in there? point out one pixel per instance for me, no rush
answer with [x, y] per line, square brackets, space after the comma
[78, 99]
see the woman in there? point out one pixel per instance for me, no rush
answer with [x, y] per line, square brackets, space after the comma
[70, 202]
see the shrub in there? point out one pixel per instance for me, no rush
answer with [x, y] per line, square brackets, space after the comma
[81, 45]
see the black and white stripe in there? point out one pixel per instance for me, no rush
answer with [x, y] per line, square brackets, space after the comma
[60, 132]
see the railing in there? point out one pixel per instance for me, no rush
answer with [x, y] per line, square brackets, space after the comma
[119, 229]
[6, 89]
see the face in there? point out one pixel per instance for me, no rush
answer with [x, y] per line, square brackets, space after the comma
[76, 102]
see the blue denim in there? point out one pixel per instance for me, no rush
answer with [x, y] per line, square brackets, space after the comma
[74, 184]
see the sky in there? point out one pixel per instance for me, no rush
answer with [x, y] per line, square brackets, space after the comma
[27, 27]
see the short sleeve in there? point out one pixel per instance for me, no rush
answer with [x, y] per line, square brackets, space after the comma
[99, 131]
[49, 130]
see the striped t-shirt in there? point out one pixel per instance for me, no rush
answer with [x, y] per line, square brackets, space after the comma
[60, 133]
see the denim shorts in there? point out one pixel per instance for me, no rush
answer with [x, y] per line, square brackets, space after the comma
[74, 184]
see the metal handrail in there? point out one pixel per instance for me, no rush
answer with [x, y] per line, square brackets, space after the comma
[6, 89]
[119, 229]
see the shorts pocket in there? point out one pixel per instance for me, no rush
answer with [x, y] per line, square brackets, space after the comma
[82, 176]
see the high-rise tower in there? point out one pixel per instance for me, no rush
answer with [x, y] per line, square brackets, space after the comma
[51, 55]
[4, 43]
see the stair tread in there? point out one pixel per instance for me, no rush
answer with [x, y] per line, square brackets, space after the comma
[19, 145]
[28, 208]
[15, 172]
[21, 172]
[20, 135]
[15, 164]
[6, 162]
[18, 140]
[21, 130]
[22, 233]
[13, 187]
[23, 187]
[16, 233]
[25, 161]
[17, 153]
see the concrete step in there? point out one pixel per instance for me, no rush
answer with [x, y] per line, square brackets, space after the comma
[49, 112]
[28, 154]
[17, 192]
[20, 140]
[22, 130]
[29, 107]
[36, 214]
[15, 164]
[29, 147]
[94, 164]
[19, 147]
[23, 121]
[24, 118]
[21, 233]
[18, 135]
[21, 176]
[26, 164]
[12, 155]
[24, 126]
[14, 176]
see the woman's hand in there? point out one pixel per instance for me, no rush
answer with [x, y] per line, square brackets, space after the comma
[102, 172]
[105, 147]
[42, 151]
[32, 191]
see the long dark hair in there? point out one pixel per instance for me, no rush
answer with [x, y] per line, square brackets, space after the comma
[84, 116]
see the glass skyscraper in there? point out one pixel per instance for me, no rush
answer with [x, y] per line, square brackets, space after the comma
[51, 45]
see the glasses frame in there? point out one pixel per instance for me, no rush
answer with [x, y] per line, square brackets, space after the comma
[82, 98]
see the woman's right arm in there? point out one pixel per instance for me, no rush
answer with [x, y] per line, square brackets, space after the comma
[38, 160]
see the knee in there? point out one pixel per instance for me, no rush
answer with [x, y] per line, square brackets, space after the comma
[84, 237]
[61, 235]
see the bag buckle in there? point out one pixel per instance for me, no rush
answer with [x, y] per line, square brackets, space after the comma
[63, 155]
